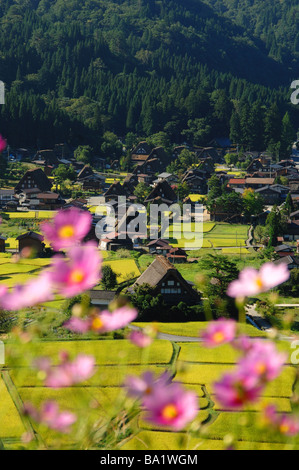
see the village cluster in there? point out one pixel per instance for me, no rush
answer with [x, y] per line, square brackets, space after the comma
[38, 191]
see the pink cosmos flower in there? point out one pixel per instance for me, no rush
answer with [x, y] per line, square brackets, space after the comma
[3, 144]
[243, 343]
[32, 293]
[104, 321]
[50, 416]
[237, 389]
[285, 424]
[140, 387]
[67, 228]
[219, 332]
[68, 373]
[78, 273]
[171, 406]
[140, 339]
[252, 282]
[263, 360]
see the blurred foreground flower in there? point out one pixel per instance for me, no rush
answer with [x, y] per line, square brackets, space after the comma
[252, 282]
[79, 272]
[3, 144]
[263, 360]
[50, 416]
[144, 385]
[171, 406]
[219, 332]
[261, 364]
[237, 389]
[102, 322]
[286, 424]
[166, 403]
[67, 228]
[140, 339]
[67, 373]
[36, 291]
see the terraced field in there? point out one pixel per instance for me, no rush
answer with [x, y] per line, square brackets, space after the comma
[19, 273]
[215, 235]
[189, 363]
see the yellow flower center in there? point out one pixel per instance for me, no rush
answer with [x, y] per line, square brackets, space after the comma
[284, 428]
[67, 231]
[77, 276]
[97, 323]
[170, 412]
[218, 337]
[261, 368]
[259, 283]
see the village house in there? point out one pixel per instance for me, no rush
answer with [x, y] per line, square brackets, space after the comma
[116, 241]
[196, 180]
[46, 157]
[208, 152]
[292, 262]
[31, 240]
[6, 195]
[2, 243]
[294, 215]
[101, 298]
[256, 183]
[161, 193]
[270, 195]
[292, 231]
[284, 250]
[159, 243]
[256, 165]
[237, 183]
[169, 177]
[35, 178]
[89, 180]
[167, 281]
[140, 152]
[33, 199]
[177, 256]
[114, 191]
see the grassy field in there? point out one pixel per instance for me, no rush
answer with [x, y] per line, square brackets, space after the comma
[125, 268]
[19, 273]
[30, 215]
[198, 368]
[191, 364]
[214, 236]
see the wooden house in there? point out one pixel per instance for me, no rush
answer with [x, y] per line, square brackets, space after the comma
[31, 240]
[161, 193]
[34, 179]
[167, 281]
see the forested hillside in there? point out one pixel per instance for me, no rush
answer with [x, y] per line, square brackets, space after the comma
[194, 69]
[275, 22]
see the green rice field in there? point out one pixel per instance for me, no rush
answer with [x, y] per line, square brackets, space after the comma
[190, 364]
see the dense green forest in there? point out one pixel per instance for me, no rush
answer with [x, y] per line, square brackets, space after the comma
[194, 69]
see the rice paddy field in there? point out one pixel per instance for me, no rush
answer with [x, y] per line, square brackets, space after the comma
[30, 215]
[189, 363]
[12, 273]
[125, 269]
[215, 235]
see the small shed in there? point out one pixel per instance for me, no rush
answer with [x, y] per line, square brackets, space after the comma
[31, 240]
[2, 244]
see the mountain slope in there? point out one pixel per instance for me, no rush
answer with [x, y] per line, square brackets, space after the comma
[130, 65]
